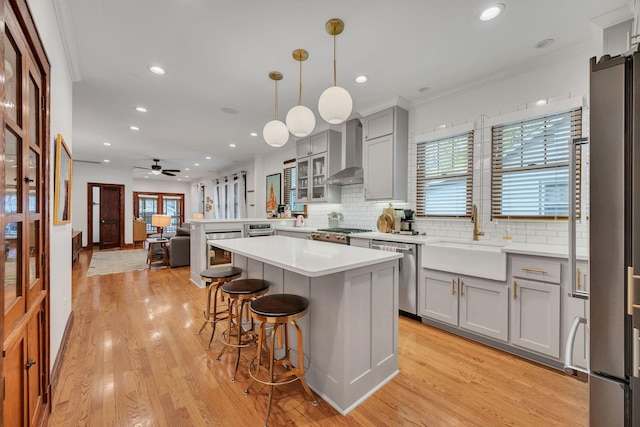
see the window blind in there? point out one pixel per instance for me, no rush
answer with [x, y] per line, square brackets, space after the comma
[290, 190]
[444, 176]
[530, 166]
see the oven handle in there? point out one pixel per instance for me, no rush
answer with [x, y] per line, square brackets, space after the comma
[260, 233]
[397, 248]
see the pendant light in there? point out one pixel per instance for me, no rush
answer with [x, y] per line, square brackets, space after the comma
[300, 119]
[335, 103]
[275, 133]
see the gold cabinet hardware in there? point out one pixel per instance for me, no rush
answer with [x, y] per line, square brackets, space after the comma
[578, 281]
[461, 288]
[631, 290]
[515, 290]
[453, 286]
[534, 270]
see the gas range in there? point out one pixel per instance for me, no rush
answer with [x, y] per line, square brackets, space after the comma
[336, 235]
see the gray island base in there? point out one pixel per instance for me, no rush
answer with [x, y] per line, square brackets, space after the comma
[351, 329]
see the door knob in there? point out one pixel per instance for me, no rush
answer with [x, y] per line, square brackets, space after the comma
[102, 221]
[30, 363]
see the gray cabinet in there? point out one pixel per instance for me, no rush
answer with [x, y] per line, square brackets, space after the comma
[478, 305]
[319, 156]
[385, 154]
[361, 243]
[535, 305]
[484, 307]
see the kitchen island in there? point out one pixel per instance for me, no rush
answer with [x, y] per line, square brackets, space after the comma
[351, 330]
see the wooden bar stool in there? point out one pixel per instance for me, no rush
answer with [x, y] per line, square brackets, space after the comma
[214, 278]
[280, 311]
[239, 293]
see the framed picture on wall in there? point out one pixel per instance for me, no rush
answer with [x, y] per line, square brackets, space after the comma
[274, 183]
[62, 183]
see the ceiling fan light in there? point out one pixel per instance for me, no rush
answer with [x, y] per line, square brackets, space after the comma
[335, 105]
[300, 121]
[156, 171]
[275, 133]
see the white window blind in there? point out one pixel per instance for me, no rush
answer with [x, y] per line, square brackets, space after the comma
[290, 190]
[444, 176]
[530, 166]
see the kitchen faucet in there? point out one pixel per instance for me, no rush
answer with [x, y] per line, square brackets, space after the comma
[474, 219]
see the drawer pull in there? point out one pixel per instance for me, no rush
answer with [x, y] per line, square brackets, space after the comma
[461, 288]
[534, 270]
[453, 286]
[515, 290]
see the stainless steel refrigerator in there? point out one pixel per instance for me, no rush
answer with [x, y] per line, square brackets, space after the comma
[614, 235]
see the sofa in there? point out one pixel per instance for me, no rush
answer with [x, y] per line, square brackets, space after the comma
[178, 247]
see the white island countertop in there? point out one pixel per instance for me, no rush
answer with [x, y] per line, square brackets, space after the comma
[307, 257]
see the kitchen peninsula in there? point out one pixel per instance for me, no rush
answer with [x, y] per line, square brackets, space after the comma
[351, 330]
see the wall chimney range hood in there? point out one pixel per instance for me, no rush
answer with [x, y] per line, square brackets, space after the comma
[353, 172]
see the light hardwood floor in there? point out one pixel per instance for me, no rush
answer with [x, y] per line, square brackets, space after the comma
[134, 359]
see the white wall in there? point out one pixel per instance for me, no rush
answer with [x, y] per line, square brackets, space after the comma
[61, 123]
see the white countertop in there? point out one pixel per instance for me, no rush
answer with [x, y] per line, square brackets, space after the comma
[310, 258]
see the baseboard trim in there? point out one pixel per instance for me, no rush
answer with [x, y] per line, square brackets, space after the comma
[57, 364]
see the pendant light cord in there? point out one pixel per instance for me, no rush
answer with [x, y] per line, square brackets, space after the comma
[300, 91]
[334, 61]
[276, 99]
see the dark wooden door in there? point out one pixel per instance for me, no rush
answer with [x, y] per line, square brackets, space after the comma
[110, 216]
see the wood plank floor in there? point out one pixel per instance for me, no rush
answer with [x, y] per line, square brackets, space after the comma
[134, 359]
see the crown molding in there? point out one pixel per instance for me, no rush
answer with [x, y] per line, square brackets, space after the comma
[67, 34]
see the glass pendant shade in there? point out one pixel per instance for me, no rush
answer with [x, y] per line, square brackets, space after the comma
[300, 121]
[335, 105]
[275, 133]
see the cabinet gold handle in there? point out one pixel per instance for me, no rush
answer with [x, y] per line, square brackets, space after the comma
[631, 299]
[515, 289]
[453, 286]
[461, 288]
[579, 280]
[534, 270]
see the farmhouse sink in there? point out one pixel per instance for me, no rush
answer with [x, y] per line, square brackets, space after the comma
[467, 257]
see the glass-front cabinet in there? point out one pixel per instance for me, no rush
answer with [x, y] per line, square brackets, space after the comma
[315, 168]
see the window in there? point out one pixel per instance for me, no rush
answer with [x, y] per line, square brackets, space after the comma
[444, 176]
[530, 166]
[290, 179]
[148, 204]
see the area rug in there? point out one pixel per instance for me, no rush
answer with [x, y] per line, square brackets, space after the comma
[111, 262]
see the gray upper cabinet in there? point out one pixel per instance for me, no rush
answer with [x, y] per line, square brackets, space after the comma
[385, 154]
[319, 156]
[314, 144]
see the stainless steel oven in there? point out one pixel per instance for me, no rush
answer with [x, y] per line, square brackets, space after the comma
[259, 229]
[217, 257]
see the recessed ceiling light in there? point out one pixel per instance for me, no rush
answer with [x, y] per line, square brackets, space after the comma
[208, 157]
[106, 161]
[134, 128]
[187, 169]
[541, 102]
[361, 79]
[146, 177]
[492, 12]
[196, 164]
[442, 126]
[141, 109]
[179, 179]
[544, 43]
[232, 145]
[253, 134]
[156, 69]
[186, 176]
[106, 143]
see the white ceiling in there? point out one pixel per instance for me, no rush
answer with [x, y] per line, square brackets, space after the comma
[218, 55]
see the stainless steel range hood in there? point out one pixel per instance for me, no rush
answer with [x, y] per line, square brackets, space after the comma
[353, 172]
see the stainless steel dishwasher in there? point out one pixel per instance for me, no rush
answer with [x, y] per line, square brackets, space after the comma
[408, 274]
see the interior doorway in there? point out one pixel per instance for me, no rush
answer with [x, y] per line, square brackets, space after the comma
[105, 215]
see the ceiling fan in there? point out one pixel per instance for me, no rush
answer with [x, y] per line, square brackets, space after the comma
[156, 169]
